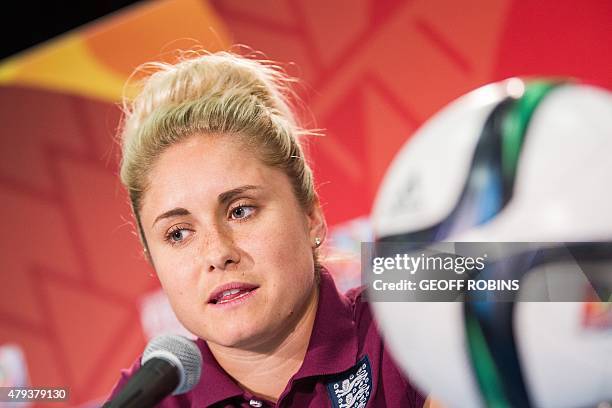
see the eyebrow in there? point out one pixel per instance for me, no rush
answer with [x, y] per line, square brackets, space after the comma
[223, 198]
[171, 213]
[229, 195]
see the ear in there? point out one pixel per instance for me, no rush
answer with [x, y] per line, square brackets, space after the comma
[317, 227]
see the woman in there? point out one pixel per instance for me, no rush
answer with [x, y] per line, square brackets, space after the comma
[229, 218]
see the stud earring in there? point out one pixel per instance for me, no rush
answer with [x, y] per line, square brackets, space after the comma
[317, 242]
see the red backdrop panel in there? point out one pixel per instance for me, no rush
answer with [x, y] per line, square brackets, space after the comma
[72, 278]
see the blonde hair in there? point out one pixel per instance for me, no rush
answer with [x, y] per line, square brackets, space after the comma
[221, 93]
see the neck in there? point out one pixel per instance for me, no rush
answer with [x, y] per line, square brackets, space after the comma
[265, 371]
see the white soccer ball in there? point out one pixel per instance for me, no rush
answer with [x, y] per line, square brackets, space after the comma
[446, 184]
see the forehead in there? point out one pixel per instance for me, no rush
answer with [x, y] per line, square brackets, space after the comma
[203, 166]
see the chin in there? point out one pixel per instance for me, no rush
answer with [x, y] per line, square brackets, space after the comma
[234, 335]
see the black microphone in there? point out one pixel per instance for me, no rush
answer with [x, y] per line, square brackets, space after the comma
[170, 364]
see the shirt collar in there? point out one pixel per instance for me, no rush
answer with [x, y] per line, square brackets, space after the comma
[215, 384]
[333, 343]
[332, 348]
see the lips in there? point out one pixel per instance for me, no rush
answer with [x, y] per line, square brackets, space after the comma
[230, 292]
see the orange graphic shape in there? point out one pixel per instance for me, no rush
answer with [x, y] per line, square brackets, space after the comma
[153, 31]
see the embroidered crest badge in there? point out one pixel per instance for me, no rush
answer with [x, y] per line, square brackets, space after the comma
[352, 388]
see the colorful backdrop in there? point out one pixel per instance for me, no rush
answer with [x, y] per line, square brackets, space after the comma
[77, 300]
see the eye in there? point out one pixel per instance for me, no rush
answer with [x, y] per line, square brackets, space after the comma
[177, 234]
[241, 212]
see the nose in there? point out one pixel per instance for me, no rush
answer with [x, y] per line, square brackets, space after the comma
[220, 251]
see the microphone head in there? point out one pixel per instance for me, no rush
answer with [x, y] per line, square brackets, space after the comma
[181, 353]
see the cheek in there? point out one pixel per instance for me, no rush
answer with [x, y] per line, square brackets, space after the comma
[184, 298]
[286, 247]
[178, 277]
[287, 262]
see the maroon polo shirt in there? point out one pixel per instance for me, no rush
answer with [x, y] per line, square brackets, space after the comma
[346, 365]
